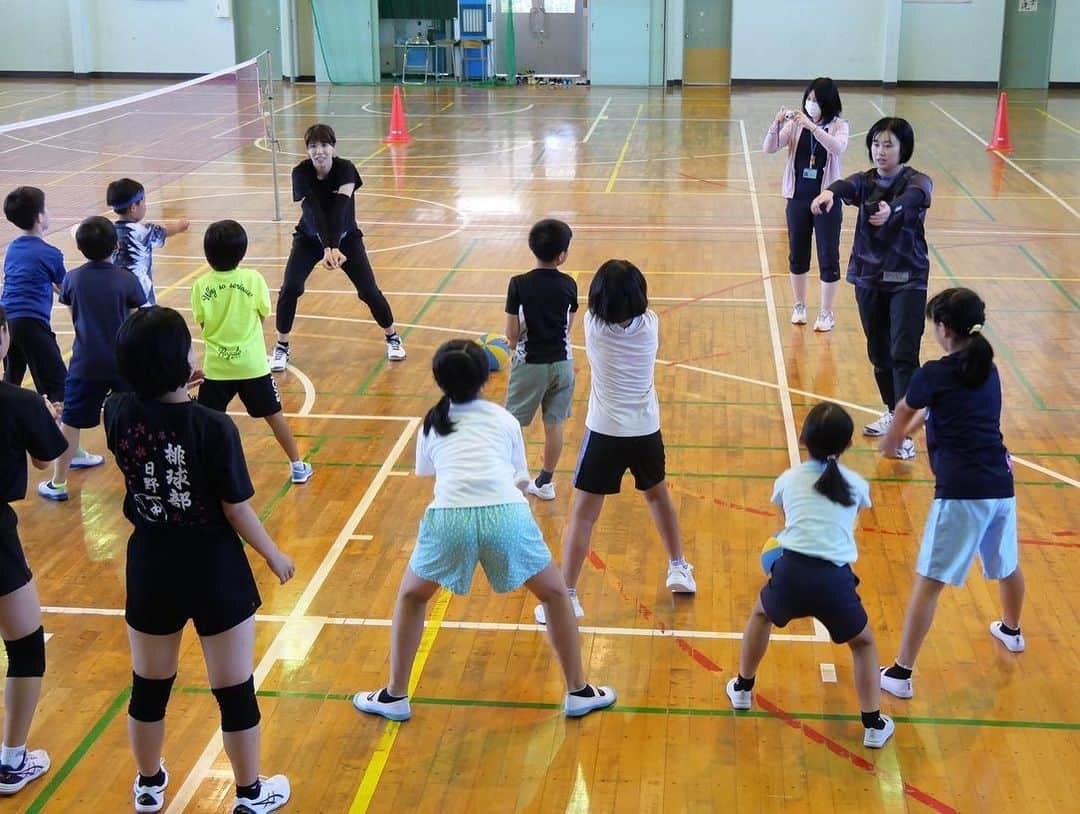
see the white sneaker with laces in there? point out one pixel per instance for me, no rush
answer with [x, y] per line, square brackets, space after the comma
[398, 710]
[578, 705]
[49, 491]
[876, 738]
[878, 428]
[541, 617]
[545, 492]
[274, 792]
[740, 699]
[906, 450]
[395, 349]
[301, 472]
[798, 314]
[825, 321]
[680, 580]
[85, 460]
[279, 359]
[1014, 644]
[900, 687]
[150, 798]
[34, 765]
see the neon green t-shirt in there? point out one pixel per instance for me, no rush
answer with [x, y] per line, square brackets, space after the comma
[230, 307]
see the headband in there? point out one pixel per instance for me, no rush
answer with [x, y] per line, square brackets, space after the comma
[124, 205]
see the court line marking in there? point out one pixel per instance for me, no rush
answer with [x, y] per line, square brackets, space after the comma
[367, 107]
[770, 304]
[599, 116]
[1065, 205]
[622, 154]
[1056, 119]
[309, 390]
[205, 762]
[828, 673]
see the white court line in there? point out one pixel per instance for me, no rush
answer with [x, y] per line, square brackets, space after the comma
[285, 636]
[599, 116]
[1064, 204]
[364, 537]
[309, 390]
[828, 673]
[770, 304]
[31, 101]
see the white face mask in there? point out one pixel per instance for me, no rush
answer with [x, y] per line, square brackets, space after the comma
[813, 109]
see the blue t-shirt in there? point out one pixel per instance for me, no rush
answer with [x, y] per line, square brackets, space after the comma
[813, 524]
[31, 266]
[963, 432]
[101, 296]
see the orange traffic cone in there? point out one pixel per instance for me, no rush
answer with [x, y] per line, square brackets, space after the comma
[1000, 139]
[399, 130]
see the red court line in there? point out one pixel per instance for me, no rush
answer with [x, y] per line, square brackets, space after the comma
[725, 504]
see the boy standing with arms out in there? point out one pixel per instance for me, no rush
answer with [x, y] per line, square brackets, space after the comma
[540, 308]
[101, 297]
[137, 240]
[230, 304]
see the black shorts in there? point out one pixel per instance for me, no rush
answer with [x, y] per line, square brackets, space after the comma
[33, 347]
[83, 399]
[188, 574]
[14, 570]
[802, 586]
[604, 460]
[259, 396]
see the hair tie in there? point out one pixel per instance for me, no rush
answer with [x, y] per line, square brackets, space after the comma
[975, 329]
[830, 457]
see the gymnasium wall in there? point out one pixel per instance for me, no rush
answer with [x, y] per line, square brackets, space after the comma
[952, 42]
[36, 36]
[1065, 53]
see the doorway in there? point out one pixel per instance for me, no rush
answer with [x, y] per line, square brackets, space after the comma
[257, 28]
[1025, 49]
[707, 51]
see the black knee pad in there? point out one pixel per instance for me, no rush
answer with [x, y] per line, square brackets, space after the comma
[149, 698]
[26, 656]
[239, 707]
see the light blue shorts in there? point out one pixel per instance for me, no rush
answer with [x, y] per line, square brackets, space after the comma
[504, 539]
[958, 529]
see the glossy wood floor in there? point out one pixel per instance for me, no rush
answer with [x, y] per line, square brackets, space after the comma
[676, 182]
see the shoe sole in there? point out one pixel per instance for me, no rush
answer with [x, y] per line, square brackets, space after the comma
[875, 745]
[583, 711]
[55, 498]
[74, 465]
[304, 479]
[681, 588]
[11, 788]
[390, 716]
[542, 497]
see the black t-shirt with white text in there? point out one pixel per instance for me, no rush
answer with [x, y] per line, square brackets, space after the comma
[26, 426]
[327, 216]
[543, 300]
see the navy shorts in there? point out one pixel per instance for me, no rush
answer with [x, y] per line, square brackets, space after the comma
[259, 395]
[802, 586]
[604, 460]
[83, 399]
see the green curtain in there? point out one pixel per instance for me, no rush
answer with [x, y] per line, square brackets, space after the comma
[418, 9]
[511, 50]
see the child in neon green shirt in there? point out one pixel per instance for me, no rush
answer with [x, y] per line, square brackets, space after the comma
[230, 303]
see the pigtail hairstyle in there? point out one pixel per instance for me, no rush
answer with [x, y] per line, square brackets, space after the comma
[827, 433]
[963, 312]
[461, 368]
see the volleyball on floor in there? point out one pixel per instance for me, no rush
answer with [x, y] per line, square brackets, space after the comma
[497, 349]
[770, 553]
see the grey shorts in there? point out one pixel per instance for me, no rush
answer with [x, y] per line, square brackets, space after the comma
[548, 386]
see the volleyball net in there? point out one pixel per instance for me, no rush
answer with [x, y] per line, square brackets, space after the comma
[156, 138]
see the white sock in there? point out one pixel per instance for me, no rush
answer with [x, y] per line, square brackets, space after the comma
[12, 755]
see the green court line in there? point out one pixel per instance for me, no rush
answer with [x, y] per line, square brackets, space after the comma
[963, 188]
[61, 774]
[366, 383]
[1042, 269]
[285, 487]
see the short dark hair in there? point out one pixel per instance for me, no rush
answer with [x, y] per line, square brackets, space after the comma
[23, 205]
[96, 238]
[121, 194]
[618, 292]
[152, 351]
[549, 238]
[320, 133]
[901, 130]
[224, 244]
[828, 98]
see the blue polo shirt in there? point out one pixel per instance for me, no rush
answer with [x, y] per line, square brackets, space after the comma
[31, 266]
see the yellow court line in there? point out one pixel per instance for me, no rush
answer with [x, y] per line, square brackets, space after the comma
[373, 773]
[448, 105]
[201, 268]
[1056, 119]
[622, 154]
[384, 148]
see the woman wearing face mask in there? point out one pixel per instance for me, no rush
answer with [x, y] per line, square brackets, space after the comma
[815, 138]
[890, 263]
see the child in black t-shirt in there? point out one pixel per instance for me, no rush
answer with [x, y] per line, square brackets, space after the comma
[188, 495]
[27, 425]
[327, 234]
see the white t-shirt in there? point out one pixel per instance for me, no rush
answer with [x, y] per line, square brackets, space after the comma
[479, 463]
[815, 525]
[622, 361]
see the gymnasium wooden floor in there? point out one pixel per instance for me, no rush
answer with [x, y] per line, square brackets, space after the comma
[676, 182]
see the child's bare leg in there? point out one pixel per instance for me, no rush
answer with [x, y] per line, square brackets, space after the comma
[284, 435]
[579, 528]
[553, 444]
[63, 463]
[917, 619]
[549, 588]
[408, 626]
[755, 641]
[864, 656]
[662, 507]
[1011, 590]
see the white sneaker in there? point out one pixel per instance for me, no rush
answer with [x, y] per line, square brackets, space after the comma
[876, 738]
[577, 705]
[279, 359]
[798, 314]
[900, 687]
[545, 492]
[878, 428]
[1015, 644]
[150, 798]
[740, 699]
[301, 472]
[575, 603]
[825, 321]
[680, 580]
[49, 491]
[395, 349]
[906, 450]
[273, 794]
[85, 460]
[34, 765]
[398, 710]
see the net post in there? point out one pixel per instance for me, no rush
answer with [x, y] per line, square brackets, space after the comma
[271, 132]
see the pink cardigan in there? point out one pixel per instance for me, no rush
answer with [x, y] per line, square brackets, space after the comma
[833, 137]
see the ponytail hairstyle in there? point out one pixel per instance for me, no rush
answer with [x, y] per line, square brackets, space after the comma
[826, 433]
[460, 368]
[963, 312]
